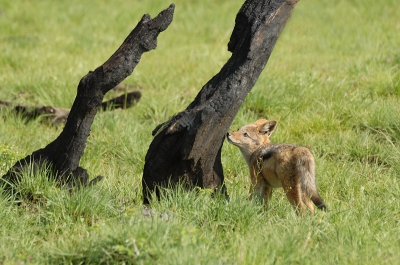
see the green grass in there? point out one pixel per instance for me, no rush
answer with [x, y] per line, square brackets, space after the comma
[333, 82]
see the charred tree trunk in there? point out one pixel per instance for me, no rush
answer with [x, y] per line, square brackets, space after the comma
[187, 148]
[64, 153]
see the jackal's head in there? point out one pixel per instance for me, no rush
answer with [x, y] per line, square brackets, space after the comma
[250, 137]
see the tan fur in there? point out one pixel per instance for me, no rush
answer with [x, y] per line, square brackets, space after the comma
[277, 165]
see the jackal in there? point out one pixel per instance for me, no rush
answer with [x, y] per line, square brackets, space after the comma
[277, 165]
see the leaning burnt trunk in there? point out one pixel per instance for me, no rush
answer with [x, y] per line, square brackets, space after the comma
[187, 148]
[64, 153]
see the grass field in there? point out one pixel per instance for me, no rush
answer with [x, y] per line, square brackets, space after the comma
[333, 82]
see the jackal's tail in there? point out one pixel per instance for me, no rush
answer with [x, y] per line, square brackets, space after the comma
[318, 201]
[306, 166]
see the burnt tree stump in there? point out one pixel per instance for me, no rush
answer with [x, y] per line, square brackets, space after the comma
[187, 148]
[59, 115]
[64, 153]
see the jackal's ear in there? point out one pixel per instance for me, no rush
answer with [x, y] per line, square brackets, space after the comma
[267, 127]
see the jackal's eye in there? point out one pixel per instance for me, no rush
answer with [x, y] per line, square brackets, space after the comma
[245, 135]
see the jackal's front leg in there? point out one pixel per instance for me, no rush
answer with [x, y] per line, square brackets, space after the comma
[258, 188]
[261, 192]
[268, 195]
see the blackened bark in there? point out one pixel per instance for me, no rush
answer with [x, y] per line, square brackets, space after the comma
[187, 148]
[64, 153]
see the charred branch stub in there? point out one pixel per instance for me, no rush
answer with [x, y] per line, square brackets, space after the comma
[64, 153]
[187, 148]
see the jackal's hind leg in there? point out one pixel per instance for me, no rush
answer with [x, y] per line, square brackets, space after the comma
[295, 198]
[307, 201]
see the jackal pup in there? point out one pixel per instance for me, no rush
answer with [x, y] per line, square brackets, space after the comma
[277, 165]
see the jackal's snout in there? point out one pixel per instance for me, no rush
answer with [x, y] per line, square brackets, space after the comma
[228, 135]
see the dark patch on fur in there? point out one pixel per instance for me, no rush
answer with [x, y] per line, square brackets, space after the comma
[267, 153]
